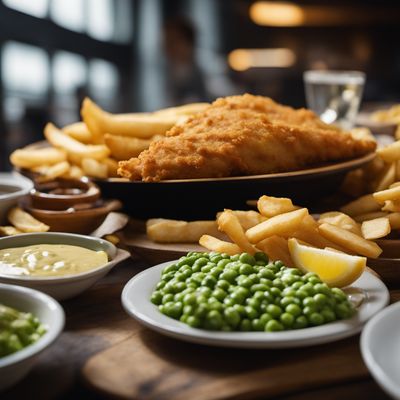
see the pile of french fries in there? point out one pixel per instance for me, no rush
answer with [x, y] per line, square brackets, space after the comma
[278, 220]
[21, 222]
[390, 116]
[94, 146]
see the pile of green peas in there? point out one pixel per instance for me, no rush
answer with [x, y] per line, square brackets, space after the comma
[243, 292]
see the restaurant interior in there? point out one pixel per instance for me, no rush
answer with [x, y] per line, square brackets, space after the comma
[220, 180]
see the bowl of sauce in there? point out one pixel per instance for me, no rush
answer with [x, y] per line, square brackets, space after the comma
[62, 265]
[12, 187]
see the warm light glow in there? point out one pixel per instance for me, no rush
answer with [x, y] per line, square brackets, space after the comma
[243, 59]
[276, 14]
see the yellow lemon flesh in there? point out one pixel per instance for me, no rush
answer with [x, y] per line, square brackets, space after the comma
[334, 268]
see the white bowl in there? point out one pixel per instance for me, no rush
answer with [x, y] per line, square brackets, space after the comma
[17, 185]
[67, 286]
[15, 366]
[380, 348]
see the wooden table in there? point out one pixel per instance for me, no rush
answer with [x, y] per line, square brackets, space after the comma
[95, 321]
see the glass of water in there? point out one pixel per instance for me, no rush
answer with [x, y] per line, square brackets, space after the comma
[335, 95]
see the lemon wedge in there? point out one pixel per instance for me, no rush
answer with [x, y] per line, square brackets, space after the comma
[333, 267]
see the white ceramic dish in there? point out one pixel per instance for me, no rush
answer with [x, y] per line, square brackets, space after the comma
[15, 186]
[67, 286]
[380, 348]
[136, 301]
[15, 366]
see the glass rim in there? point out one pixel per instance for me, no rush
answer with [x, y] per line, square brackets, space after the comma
[334, 76]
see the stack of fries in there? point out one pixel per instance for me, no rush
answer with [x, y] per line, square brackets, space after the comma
[94, 146]
[21, 222]
[278, 220]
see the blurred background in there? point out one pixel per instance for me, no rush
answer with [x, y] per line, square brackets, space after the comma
[142, 55]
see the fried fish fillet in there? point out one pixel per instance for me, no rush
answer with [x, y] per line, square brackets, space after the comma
[244, 135]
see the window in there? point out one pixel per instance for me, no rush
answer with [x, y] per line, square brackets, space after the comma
[24, 68]
[103, 78]
[69, 72]
[69, 14]
[37, 8]
[100, 19]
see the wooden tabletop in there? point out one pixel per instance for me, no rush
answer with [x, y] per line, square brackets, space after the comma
[96, 321]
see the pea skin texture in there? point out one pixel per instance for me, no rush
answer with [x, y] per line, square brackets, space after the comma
[246, 293]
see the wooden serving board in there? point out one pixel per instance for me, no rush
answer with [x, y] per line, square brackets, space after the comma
[150, 366]
[135, 238]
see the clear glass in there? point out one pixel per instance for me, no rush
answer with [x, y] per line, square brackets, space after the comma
[335, 95]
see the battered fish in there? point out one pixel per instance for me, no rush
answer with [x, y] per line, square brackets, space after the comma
[244, 135]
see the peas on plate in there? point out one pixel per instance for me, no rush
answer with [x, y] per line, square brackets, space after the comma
[246, 292]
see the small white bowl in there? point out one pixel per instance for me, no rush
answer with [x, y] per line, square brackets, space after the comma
[15, 366]
[67, 286]
[14, 187]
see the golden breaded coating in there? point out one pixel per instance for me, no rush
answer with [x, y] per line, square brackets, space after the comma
[244, 135]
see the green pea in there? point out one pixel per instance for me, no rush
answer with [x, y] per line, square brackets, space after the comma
[220, 294]
[232, 316]
[170, 268]
[229, 276]
[288, 300]
[308, 310]
[228, 301]
[329, 315]
[264, 318]
[247, 283]
[279, 264]
[343, 311]
[193, 321]
[240, 309]
[207, 268]
[214, 304]
[247, 258]
[188, 310]
[251, 312]
[339, 293]
[322, 288]
[215, 259]
[167, 298]
[297, 285]
[288, 291]
[287, 319]
[260, 256]
[320, 299]
[275, 291]
[179, 296]
[222, 263]
[259, 295]
[293, 309]
[301, 294]
[168, 276]
[267, 273]
[201, 310]
[156, 298]
[237, 297]
[246, 269]
[257, 325]
[160, 284]
[174, 310]
[309, 302]
[209, 281]
[214, 320]
[266, 282]
[253, 303]
[273, 326]
[274, 310]
[255, 278]
[245, 325]
[268, 296]
[300, 322]
[162, 309]
[316, 319]
[223, 284]
[235, 257]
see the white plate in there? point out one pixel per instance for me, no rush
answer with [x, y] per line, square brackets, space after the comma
[380, 348]
[136, 301]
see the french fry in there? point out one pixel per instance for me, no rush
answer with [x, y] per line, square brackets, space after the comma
[394, 219]
[74, 148]
[375, 228]
[112, 167]
[247, 219]
[186, 109]
[350, 240]
[229, 223]
[49, 173]
[94, 168]
[25, 222]
[277, 249]
[74, 172]
[342, 220]
[387, 178]
[173, 231]
[394, 184]
[142, 126]
[362, 205]
[366, 217]
[78, 131]
[391, 206]
[31, 158]
[270, 206]
[214, 244]
[9, 231]
[125, 147]
[390, 153]
[388, 194]
[279, 225]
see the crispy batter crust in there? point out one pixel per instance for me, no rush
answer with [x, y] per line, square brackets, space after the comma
[244, 135]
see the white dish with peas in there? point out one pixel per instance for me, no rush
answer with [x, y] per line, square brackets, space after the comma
[245, 301]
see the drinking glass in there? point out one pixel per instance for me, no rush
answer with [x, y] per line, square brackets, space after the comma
[335, 95]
